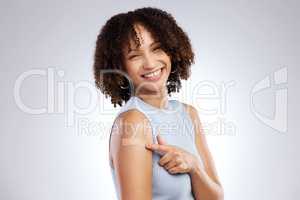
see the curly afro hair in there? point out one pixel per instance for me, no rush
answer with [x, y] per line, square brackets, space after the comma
[116, 34]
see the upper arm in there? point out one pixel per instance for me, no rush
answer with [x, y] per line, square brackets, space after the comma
[201, 144]
[131, 160]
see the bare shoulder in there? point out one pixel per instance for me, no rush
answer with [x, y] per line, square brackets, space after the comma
[131, 129]
[131, 160]
[192, 111]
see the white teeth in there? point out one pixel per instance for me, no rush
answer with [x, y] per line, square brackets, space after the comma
[153, 73]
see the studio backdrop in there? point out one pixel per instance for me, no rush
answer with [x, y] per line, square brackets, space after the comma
[244, 83]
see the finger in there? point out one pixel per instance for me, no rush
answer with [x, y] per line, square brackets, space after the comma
[161, 149]
[165, 158]
[160, 140]
[178, 169]
[172, 164]
[174, 170]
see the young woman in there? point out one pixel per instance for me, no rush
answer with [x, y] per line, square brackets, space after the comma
[157, 148]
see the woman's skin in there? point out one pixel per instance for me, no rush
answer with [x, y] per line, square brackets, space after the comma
[131, 149]
[148, 58]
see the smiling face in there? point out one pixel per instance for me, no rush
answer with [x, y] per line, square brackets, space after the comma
[148, 65]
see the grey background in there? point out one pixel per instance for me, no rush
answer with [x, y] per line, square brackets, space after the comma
[41, 157]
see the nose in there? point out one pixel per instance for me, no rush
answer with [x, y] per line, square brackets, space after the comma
[149, 63]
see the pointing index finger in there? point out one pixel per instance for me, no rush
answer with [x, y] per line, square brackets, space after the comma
[161, 149]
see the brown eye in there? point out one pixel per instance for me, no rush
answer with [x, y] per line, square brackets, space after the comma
[157, 48]
[133, 56]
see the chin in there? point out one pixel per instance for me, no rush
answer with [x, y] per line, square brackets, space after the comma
[151, 87]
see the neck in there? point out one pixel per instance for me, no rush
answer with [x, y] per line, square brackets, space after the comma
[157, 99]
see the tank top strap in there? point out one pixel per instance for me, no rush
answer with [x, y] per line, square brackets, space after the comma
[185, 116]
[155, 115]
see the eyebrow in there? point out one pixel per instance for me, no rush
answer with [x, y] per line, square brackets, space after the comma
[153, 43]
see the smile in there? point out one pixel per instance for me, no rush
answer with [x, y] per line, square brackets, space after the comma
[153, 76]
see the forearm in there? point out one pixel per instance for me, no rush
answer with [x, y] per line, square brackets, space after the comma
[204, 188]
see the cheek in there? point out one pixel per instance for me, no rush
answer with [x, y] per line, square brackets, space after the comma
[169, 64]
[132, 70]
[167, 59]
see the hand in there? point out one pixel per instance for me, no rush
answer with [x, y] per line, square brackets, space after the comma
[174, 159]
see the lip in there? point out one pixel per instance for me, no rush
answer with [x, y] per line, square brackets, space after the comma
[154, 78]
[152, 71]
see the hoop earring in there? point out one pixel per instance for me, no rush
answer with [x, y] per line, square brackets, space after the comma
[124, 87]
[174, 71]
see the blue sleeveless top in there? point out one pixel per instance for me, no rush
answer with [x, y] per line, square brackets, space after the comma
[175, 126]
